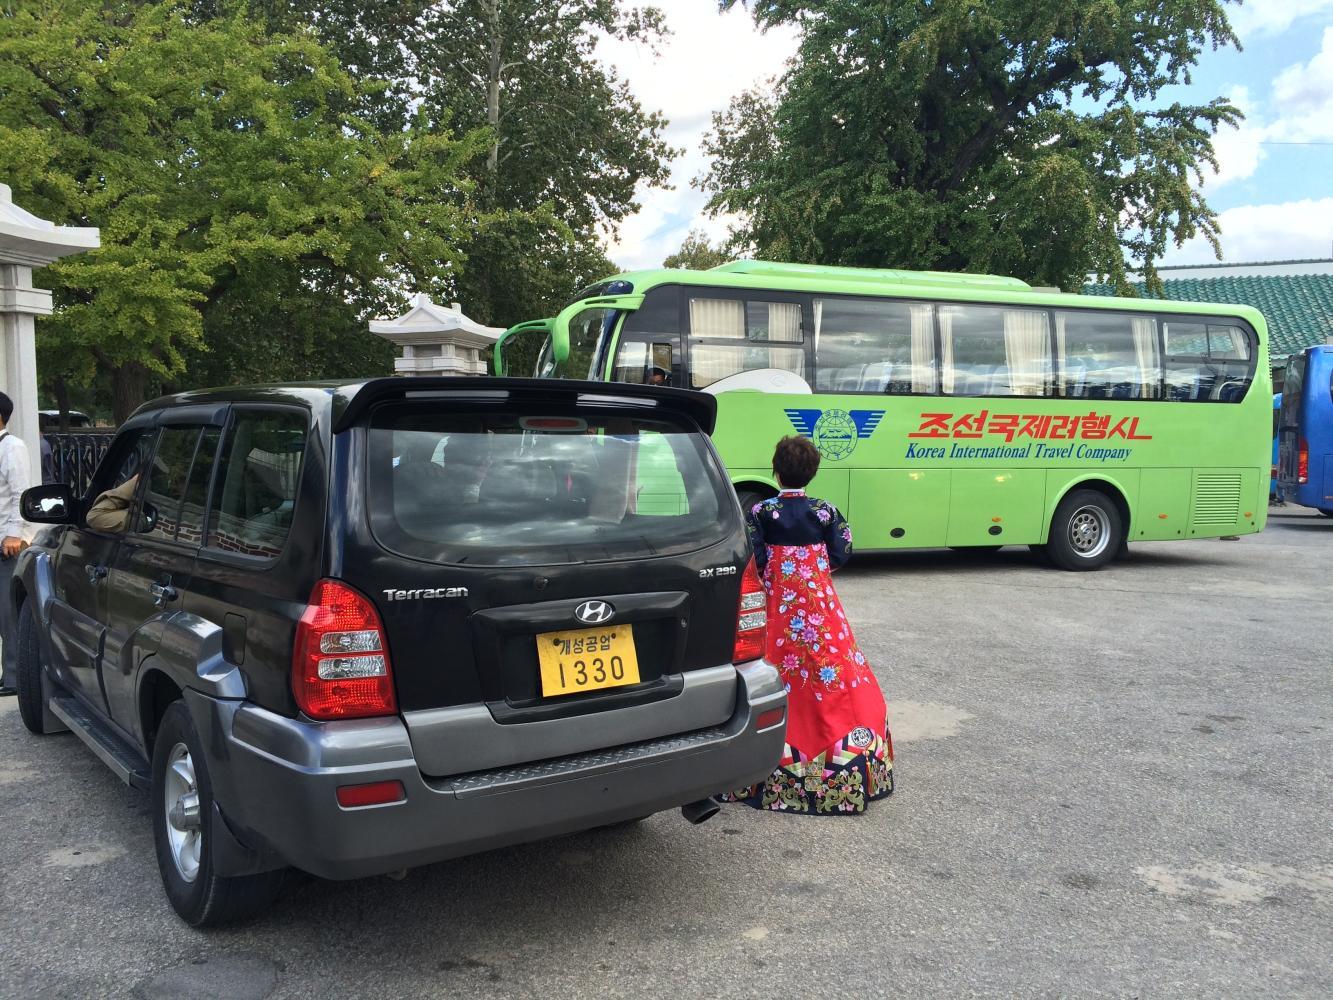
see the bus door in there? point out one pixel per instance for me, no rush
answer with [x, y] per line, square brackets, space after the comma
[648, 350]
[1289, 419]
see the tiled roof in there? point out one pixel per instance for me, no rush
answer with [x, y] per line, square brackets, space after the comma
[1246, 263]
[1298, 307]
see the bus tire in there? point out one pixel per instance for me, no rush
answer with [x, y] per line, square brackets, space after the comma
[1326, 511]
[748, 498]
[1086, 531]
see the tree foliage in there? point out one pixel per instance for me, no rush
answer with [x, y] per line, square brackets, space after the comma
[213, 156]
[567, 145]
[568, 142]
[1026, 137]
[696, 253]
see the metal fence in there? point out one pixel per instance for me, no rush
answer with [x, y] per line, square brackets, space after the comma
[73, 457]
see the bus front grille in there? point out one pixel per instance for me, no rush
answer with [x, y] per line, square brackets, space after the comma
[1216, 499]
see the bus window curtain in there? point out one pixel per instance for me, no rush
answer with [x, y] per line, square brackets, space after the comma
[718, 318]
[1025, 345]
[946, 349]
[1145, 351]
[819, 320]
[1070, 383]
[784, 322]
[923, 348]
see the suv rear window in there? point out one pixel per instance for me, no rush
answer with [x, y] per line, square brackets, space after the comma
[532, 488]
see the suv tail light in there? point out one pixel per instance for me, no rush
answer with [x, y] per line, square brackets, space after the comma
[1303, 462]
[340, 666]
[751, 617]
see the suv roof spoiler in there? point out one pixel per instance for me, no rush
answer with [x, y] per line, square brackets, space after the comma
[697, 406]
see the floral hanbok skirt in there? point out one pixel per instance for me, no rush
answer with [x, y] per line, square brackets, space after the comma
[839, 753]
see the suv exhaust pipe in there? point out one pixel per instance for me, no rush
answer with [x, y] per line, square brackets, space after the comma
[701, 811]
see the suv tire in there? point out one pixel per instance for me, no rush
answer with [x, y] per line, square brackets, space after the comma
[182, 809]
[1086, 531]
[28, 671]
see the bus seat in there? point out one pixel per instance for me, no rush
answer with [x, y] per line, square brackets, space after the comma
[973, 381]
[875, 377]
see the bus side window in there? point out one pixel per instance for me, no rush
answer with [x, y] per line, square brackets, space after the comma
[874, 345]
[1105, 355]
[1207, 362]
[993, 351]
[640, 363]
[729, 336]
[649, 351]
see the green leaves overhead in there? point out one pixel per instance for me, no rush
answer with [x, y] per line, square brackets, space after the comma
[268, 176]
[209, 154]
[1024, 137]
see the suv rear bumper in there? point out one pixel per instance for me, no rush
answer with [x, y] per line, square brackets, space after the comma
[275, 781]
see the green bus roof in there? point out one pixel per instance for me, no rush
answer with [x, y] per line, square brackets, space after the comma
[927, 285]
[870, 275]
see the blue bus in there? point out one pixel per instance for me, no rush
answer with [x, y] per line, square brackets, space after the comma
[1305, 430]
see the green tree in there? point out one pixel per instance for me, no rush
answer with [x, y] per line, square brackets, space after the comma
[696, 253]
[1024, 137]
[568, 142]
[213, 156]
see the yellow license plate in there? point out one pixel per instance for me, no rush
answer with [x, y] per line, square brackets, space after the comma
[587, 659]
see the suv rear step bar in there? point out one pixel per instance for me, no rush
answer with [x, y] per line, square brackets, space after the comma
[115, 752]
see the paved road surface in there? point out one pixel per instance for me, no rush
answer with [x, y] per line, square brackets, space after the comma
[1114, 784]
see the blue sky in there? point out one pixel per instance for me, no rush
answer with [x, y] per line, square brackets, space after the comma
[1273, 190]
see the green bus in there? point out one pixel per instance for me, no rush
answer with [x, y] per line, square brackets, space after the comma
[950, 409]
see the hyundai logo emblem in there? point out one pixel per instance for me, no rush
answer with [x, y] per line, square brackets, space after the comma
[594, 612]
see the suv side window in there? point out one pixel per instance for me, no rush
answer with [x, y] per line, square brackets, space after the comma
[167, 476]
[256, 483]
[117, 481]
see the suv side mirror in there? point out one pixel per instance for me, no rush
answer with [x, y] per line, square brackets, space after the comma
[147, 518]
[52, 503]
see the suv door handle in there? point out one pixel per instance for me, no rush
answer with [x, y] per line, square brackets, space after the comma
[96, 574]
[163, 593]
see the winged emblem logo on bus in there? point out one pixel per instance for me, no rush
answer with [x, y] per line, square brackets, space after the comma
[835, 432]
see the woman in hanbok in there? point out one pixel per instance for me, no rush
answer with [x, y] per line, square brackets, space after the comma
[839, 753]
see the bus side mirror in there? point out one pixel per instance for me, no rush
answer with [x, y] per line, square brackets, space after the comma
[519, 349]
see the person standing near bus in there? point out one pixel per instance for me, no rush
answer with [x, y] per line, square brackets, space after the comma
[839, 753]
[13, 538]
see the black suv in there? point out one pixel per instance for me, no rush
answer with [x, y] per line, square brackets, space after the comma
[353, 628]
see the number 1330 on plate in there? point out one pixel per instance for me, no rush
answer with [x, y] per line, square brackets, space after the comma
[587, 660]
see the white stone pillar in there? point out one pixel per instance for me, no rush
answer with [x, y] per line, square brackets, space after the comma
[20, 303]
[27, 242]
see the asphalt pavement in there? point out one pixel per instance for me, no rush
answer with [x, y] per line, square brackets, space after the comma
[1110, 784]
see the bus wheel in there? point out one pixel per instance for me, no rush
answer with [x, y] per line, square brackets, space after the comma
[1086, 532]
[1327, 512]
[748, 498]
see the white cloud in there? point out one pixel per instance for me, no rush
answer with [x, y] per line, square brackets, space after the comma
[1299, 109]
[1303, 97]
[1272, 17]
[708, 59]
[1293, 230]
[1238, 149]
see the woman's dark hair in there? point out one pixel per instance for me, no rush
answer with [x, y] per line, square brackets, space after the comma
[795, 461]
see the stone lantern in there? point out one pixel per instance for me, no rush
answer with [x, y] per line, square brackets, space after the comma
[437, 340]
[27, 242]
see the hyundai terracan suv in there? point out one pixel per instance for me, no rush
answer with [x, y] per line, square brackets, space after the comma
[353, 628]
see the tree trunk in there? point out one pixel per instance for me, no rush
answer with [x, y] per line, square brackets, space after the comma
[128, 385]
[60, 389]
[493, 65]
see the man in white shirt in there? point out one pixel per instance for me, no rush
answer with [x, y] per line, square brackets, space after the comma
[13, 538]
